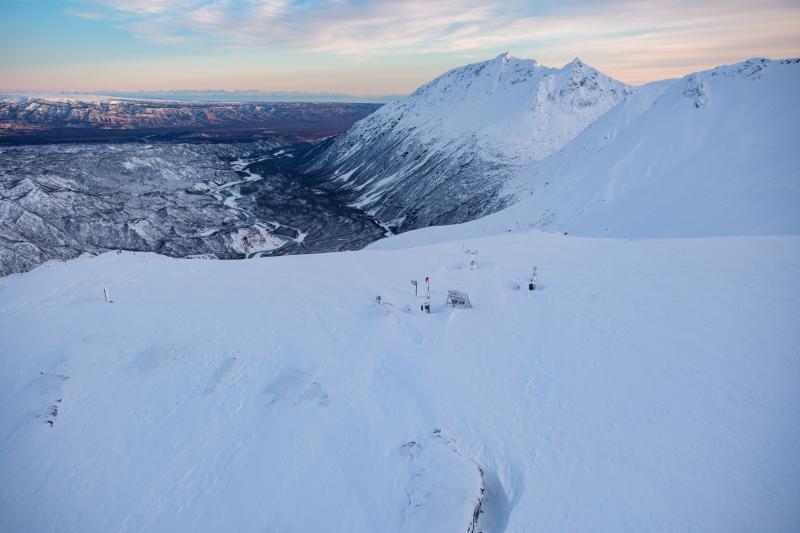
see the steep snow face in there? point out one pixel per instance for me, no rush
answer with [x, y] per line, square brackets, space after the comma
[442, 154]
[515, 110]
[715, 154]
[712, 154]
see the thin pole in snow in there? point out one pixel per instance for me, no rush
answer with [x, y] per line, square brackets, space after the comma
[426, 307]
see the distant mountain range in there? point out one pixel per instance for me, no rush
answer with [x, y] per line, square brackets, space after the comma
[56, 119]
[186, 95]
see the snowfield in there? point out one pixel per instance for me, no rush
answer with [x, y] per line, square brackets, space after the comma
[646, 385]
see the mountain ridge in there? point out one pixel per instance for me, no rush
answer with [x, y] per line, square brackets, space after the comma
[441, 155]
[709, 154]
[31, 119]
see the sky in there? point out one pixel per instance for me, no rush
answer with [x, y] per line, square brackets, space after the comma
[368, 47]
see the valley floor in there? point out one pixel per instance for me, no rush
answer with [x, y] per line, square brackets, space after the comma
[645, 385]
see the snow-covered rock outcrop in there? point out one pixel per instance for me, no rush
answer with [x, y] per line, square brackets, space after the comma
[443, 154]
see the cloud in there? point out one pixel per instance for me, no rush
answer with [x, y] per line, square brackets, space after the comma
[87, 15]
[627, 33]
[144, 7]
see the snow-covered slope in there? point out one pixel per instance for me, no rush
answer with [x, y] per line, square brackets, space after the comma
[714, 153]
[442, 154]
[645, 385]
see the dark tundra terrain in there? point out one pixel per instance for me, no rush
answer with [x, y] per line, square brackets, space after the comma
[288, 195]
[179, 179]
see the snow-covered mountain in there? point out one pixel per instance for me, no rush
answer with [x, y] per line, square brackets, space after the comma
[443, 154]
[714, 153]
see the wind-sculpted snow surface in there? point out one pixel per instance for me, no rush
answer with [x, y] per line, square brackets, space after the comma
[644, 385]
[443, 154]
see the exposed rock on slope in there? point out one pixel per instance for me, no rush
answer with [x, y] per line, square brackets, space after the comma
[442, 155]
[712, 154]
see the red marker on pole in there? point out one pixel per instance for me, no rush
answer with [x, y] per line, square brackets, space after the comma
[427, 305]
